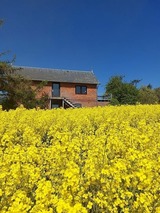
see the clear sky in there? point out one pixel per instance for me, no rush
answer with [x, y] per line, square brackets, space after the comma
[110, 37]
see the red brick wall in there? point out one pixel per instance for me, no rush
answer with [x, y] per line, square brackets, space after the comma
[46, 89]
[67, 90]
[89, 99]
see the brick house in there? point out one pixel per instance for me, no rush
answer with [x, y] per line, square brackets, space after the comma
[66, 88]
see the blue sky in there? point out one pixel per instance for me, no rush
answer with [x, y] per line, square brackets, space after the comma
[110, 37]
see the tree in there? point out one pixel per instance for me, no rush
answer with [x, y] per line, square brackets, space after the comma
[149, 86]
[122, 92]
[135, 82]
[157, 91]
[147, 95]
[19, 90]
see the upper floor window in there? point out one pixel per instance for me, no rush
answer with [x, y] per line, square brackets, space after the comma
[81, 89]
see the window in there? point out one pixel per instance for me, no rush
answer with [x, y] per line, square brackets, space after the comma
[56, 103]
[81, 90]
[55, 89]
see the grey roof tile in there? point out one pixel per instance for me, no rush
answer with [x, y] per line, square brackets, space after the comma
[58, 75]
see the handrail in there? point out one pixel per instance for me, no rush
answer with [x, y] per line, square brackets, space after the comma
[107, 97]
[69, 102]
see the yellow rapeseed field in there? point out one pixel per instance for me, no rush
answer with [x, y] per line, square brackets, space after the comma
[96, 160]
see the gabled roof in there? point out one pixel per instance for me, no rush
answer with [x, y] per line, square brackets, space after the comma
[58, 75]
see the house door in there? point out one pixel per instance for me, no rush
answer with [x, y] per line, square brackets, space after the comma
[56, 90]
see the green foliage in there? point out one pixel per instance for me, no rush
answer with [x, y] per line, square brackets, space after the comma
[122, 92]
[147, 95]
[19, 90]
[157, 92]
[128, 93]
[114, 102]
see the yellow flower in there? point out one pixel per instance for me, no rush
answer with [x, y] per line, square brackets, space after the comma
[70, 161]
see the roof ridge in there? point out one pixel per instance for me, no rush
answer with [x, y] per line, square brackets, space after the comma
[55, 69]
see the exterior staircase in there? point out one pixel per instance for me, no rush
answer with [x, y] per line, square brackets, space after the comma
[69, 103]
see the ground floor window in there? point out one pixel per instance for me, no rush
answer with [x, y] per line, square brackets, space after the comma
[56, 104]
[81, 89]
